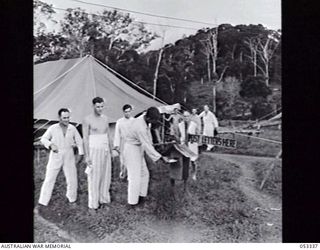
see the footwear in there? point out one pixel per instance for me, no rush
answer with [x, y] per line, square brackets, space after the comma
[142, 200]
[194, 177]
[73, 204]
[39, 208]
[131, 206]
[92, 211]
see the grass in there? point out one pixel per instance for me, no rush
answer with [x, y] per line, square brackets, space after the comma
[215, 211]
[273, 185]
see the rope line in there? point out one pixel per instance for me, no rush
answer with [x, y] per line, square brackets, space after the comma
[143, 13]
[41, 127]
[262, 139]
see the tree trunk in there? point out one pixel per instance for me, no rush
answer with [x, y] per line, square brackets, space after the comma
[255, 63]
[214, 66]
[214, 97]
[92, 49]
[209, 71]
[267, 74]
[156, 74]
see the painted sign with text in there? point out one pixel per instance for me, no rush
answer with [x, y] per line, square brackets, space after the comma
[213, 140]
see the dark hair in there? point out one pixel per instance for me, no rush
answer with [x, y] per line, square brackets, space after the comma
[63, 110]
[126, 106]
[97, 100]
[153, 113]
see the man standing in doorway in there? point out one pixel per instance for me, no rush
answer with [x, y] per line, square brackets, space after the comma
[97, 145]
[61, 138]
[137, 142]
[210, 123]
[121, 130]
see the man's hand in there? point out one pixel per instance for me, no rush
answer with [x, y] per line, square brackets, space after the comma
[117, 149]
[54, 148]
[165, 159]
[115, 152]
[79, 160]
[88, 161]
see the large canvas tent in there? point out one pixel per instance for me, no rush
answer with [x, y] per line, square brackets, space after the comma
[72, 83]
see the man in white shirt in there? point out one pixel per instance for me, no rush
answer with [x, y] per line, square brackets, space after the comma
[210, 123]
[121, 130]
[61, 138]
[195, 117]
[188, 126]
[138, 141]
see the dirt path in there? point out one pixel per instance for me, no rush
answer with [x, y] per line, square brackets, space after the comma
[157, 231]
[49, 231]
[268, 206]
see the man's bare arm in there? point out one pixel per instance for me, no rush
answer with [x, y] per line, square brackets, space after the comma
[109, 136]
[85, 133]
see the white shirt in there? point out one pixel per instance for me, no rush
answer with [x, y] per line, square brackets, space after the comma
[121, 130]
[139, 134]
[192, 129]
[54, 135]
[209, 118]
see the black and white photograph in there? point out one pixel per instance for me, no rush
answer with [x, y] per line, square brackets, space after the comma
[157, 121]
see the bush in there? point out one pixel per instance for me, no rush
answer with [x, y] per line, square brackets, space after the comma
[254, 87]
[260, 107]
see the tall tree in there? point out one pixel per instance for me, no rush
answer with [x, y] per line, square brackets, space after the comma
[263, 46]
[42, 14]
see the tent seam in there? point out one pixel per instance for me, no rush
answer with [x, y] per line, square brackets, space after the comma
[68, 71]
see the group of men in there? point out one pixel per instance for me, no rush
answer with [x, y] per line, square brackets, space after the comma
[132, 139]
[190, 123]
[209, 128]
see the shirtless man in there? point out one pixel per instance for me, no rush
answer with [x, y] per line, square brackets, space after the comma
[97, 146]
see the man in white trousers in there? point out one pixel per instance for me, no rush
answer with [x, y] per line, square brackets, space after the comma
[121, 130]
[195, 117]
[188, 126]
[61, 138]
[210, 123]
[97, 146]
[137, 142]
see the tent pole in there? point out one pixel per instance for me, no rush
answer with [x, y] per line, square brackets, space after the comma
[162, 132]
[38, 156]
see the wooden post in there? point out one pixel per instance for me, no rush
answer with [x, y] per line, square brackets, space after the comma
[272, 165]
[163, 129]
[38, 156]
[157, 68]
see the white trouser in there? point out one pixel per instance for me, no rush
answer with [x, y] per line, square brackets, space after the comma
[66, 160]
[99, 178]
[208, 131]
[121, 157]
[138, 173]
[193, 146]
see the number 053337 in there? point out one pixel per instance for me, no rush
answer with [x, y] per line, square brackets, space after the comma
[308, 245]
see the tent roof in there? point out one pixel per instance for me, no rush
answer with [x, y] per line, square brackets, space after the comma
[73, 83]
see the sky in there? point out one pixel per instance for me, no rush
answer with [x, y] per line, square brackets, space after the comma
[265, 12]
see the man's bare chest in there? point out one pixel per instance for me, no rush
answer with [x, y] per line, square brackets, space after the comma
[98, 126]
